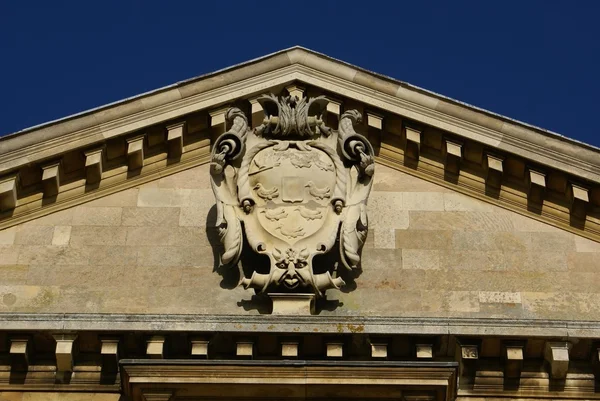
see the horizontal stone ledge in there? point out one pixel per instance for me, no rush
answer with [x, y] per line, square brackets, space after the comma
[300, 324]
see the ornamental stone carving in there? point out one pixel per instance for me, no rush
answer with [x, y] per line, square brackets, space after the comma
[294, 188]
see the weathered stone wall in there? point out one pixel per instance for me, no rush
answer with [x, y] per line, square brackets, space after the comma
[431, 252]
[46, 396]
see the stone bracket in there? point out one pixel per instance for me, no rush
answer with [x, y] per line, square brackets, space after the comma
[579, 199]
[8, 192]
[109, 352]
[19, 353]
[296, 90]
[467, 355]
[135, 152]
[244, 349]
[537, 185]
[51, 178]
[175, 139]
[290, 349]
[93, 166]
[494, 170]
[379, 349]
[374, 120]
[65, 350]
[155, 347]
[452, 152]
[513, 354]
[424, 351]
[413, 142]
[334, 349]
[557, 356]
[199, 347]
[157, 394]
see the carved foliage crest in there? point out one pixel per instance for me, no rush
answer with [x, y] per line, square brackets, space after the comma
[288, 186]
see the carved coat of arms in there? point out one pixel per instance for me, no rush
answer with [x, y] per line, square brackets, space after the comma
[295, 188]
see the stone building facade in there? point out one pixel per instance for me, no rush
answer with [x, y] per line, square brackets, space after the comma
[478, 277]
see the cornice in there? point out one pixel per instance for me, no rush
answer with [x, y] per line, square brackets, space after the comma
[380, 91]
[380, 325]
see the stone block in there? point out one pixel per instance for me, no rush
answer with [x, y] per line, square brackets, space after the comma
[583, 261]
[385, 211]
[424, 351]
[493, 166]
[579, 200]
[423, 201]
[98, 235]
[456, 202]
[379, 350]
[127, 197]
[112, 255]
[194, 178]
[420, 259]
[96, 216]
[475, 221]
[452, 152]
[385, 239]
[537, 185]
[109, 353]
[54, 255]
[14, 274]
[499, 297]
[413, 142]
[150, 216]
[293, 304]
[8, 192]
[34, 235]
[423, 239]
[9, 254]
[581, 245]
[7, 236]
[65, 350]
[61, 235]
[60, 218]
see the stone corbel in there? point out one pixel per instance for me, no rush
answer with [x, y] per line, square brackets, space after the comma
[557, 356]
[578, 199]
[374, 120]
[334, 106]
[257, 112]
[175, 139]
[217, 119]
[513, 355]
[199, 347]
[413, 142]
[290, 349]
[109, 353]
[19, 353]
[244, 349]
[379, 349]
[93, 166]
[424, 351]
[51, 178]
[296, 90]
[493, 166]
[8, 192]
[537, 185]
[467, 355]
[135, 152]
[155, 347]
[334, 349]
[65, 350]
[452, 152]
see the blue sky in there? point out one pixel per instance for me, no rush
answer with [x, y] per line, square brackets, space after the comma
[535, 61]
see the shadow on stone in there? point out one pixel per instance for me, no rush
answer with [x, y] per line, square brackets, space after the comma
[328, 305]
[534, 207]
[258, 302]
[491, 191]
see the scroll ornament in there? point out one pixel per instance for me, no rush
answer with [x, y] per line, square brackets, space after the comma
[288, 185]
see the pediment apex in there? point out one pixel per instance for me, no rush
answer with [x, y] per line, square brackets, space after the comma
[389, 106]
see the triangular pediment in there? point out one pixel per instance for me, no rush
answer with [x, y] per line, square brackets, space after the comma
[123, 145]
